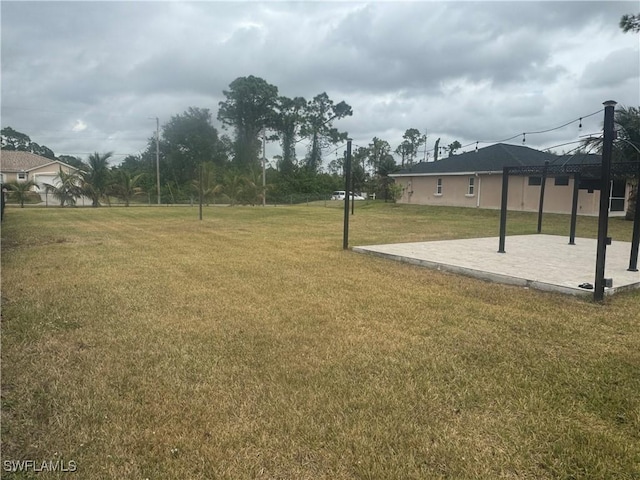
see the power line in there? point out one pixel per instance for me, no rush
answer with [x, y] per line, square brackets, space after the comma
[91, 153]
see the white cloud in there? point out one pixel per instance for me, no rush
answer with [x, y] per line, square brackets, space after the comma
[79, 126]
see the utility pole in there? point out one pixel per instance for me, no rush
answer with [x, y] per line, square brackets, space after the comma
[264, 168]
[425, 144]
[158, 156]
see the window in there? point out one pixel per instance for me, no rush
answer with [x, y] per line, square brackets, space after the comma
[22, 175]
[535, 181]
[472, 186]
[562, 181]
[439, 187]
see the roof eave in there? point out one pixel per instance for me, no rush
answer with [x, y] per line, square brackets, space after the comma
[443, 174]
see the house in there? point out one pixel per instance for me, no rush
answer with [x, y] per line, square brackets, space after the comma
[474, 179]
[24, 166]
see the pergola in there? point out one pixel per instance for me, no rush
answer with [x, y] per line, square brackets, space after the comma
[596, 176]
[601, 175]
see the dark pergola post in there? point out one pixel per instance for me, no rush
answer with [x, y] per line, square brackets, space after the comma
[353, 200]
[543, 183]
[200, 199]
[503, 208]
[635, 239]
[2, 200]
[603, 217]
[574, 208]
[347, 186]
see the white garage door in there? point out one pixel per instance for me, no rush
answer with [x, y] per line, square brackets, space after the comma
[48, 178]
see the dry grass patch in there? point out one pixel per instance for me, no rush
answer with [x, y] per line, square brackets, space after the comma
[147, 344]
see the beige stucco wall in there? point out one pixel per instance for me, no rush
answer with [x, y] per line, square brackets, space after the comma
[421, 190]
[52, 170]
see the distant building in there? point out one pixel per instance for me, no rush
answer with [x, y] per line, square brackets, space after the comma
[24, 166]
[474, 179]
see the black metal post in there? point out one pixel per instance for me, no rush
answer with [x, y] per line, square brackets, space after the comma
[603, 216]
[574, 208]
[200, 192]
[2, 201]
[542, 188]
[635, 239]
[353, 201]
[347, 185]
[503, 208]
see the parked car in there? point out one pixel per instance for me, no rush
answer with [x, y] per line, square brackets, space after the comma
[339, 195]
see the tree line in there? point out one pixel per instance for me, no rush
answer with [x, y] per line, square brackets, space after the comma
[194, 156]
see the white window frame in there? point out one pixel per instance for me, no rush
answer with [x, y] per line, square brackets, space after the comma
[471, 188]
[438, 187]
[22, 175]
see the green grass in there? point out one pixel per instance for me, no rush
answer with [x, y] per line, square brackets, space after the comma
[143, 343]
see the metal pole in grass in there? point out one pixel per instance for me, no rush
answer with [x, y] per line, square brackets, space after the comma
[603, 216]
[2, 201]
[158, 157]
[503, 209]
[264, 169]
[635, 238]
[574, 208]
[543, 183]
[200, 191]
[347, 184]
[353, 202]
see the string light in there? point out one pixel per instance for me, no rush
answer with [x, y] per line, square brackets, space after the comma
[579, 119]
[442, 150]
[492, 142]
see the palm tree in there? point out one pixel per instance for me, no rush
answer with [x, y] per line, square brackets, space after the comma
[96, 179]
[233, 186]
[386, 167]
[68, 189]
[125, 186]
[209, 186]
[20, 190]
[252, 190]
[626, 146]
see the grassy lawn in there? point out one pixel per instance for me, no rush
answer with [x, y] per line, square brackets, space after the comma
[142, 343]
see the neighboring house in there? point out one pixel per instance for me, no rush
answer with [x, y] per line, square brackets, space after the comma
[24, 166]
[474, 179]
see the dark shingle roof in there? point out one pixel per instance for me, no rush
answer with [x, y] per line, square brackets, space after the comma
[577, 159]
[493, 159]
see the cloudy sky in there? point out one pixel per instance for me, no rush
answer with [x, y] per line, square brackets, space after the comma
[87, 76]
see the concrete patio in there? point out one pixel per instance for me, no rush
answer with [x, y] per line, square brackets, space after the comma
[544, 262]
